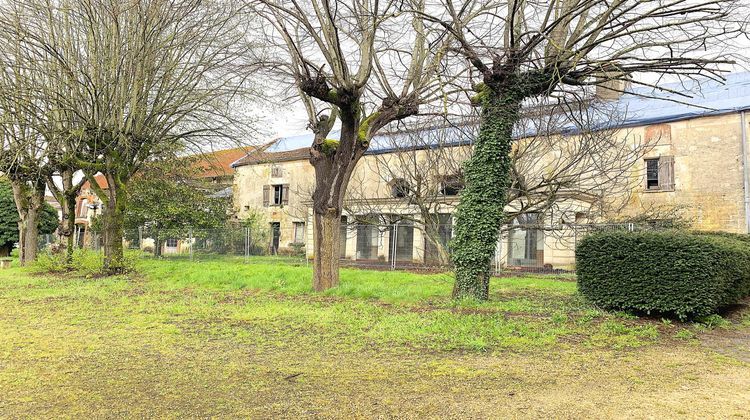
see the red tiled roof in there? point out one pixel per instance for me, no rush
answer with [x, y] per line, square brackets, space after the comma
[101, 180]
[219, 163]
[272, 157]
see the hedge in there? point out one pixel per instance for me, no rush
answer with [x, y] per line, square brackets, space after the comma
[685, 274]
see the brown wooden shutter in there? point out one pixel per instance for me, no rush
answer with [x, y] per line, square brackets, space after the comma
[266, 193]
[666, 173]
[285, 194]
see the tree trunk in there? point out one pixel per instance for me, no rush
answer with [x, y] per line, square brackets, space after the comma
[333, 170]
[432, 235]
[112, 228]
[31, 236]
[480, 213]
[327, 240]
[69, 226]
[157, 244]
[29, 201]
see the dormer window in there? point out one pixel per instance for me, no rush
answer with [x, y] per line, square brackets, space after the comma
[451, 185]
[399, 188]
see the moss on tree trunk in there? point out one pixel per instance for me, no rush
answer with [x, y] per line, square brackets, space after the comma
[113, 228]
[480, 213]
[327, 240]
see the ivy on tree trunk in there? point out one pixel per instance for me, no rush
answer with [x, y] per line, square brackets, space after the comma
[480, 213]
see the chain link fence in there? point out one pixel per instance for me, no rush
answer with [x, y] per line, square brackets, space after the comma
[403, 245]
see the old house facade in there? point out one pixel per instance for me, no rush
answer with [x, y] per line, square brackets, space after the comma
[696, 161]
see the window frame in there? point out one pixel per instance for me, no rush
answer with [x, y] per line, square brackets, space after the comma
[649, 171]
[664, 172]
[453, 182]
[299, 228]
[278, 194]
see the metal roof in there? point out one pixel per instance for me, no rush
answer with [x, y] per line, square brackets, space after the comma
[638, 107]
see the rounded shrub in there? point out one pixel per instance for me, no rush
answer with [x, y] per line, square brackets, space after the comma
[685, 274]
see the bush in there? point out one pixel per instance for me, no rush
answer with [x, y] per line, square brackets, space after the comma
[686, 274]
[85, 262]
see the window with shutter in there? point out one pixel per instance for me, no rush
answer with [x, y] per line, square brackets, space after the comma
[266, 194]
[666, 173]
[285, 195]
[660, 174]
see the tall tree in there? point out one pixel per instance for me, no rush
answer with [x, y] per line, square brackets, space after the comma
[359, 64]
[23, 151]
[46, 223]
[526, 51]
[141, 76]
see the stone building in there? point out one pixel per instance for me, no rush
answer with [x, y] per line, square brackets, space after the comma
[696, 161]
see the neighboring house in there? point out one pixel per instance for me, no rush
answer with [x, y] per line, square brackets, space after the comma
[216, 167]
[88, 206]
[697, 160]
[213, 167]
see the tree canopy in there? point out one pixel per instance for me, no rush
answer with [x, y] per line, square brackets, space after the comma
[167, 195]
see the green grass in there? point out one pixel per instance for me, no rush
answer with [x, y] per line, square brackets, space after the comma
[386, 309]
[223, 338]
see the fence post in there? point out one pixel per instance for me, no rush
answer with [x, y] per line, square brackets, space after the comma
[247, 245]
[190, 243]
[395, 245]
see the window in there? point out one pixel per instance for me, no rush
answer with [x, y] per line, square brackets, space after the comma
[278, 194]
[660, 174]
[84, 209]
[399, 188]
[526, 241]
[451, 185]
[171, 243]
[299, 232]
[275, 171]
[652, 174]
[275, 195]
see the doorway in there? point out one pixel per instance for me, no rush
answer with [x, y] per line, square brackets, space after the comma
[275, 237]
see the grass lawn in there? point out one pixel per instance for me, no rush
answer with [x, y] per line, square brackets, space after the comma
[224, 338]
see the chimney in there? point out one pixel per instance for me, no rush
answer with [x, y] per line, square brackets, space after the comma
[611, 85]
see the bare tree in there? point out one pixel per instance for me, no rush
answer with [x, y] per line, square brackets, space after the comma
[523, 51]
[142, 77]
[23, 156]
[408, 176]
[361, 64]
[563, 159]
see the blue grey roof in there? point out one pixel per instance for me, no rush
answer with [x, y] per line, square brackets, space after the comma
[643, 106]
[708, 98]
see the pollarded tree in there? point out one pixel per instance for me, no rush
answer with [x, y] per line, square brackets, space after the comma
[22, 149]
[37, 148]
[46, 223]
[526, 51]
[360, 64]
[141, 76]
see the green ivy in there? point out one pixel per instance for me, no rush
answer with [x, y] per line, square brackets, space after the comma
[480, 212]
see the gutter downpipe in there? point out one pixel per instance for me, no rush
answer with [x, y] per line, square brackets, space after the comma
[745, 169]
